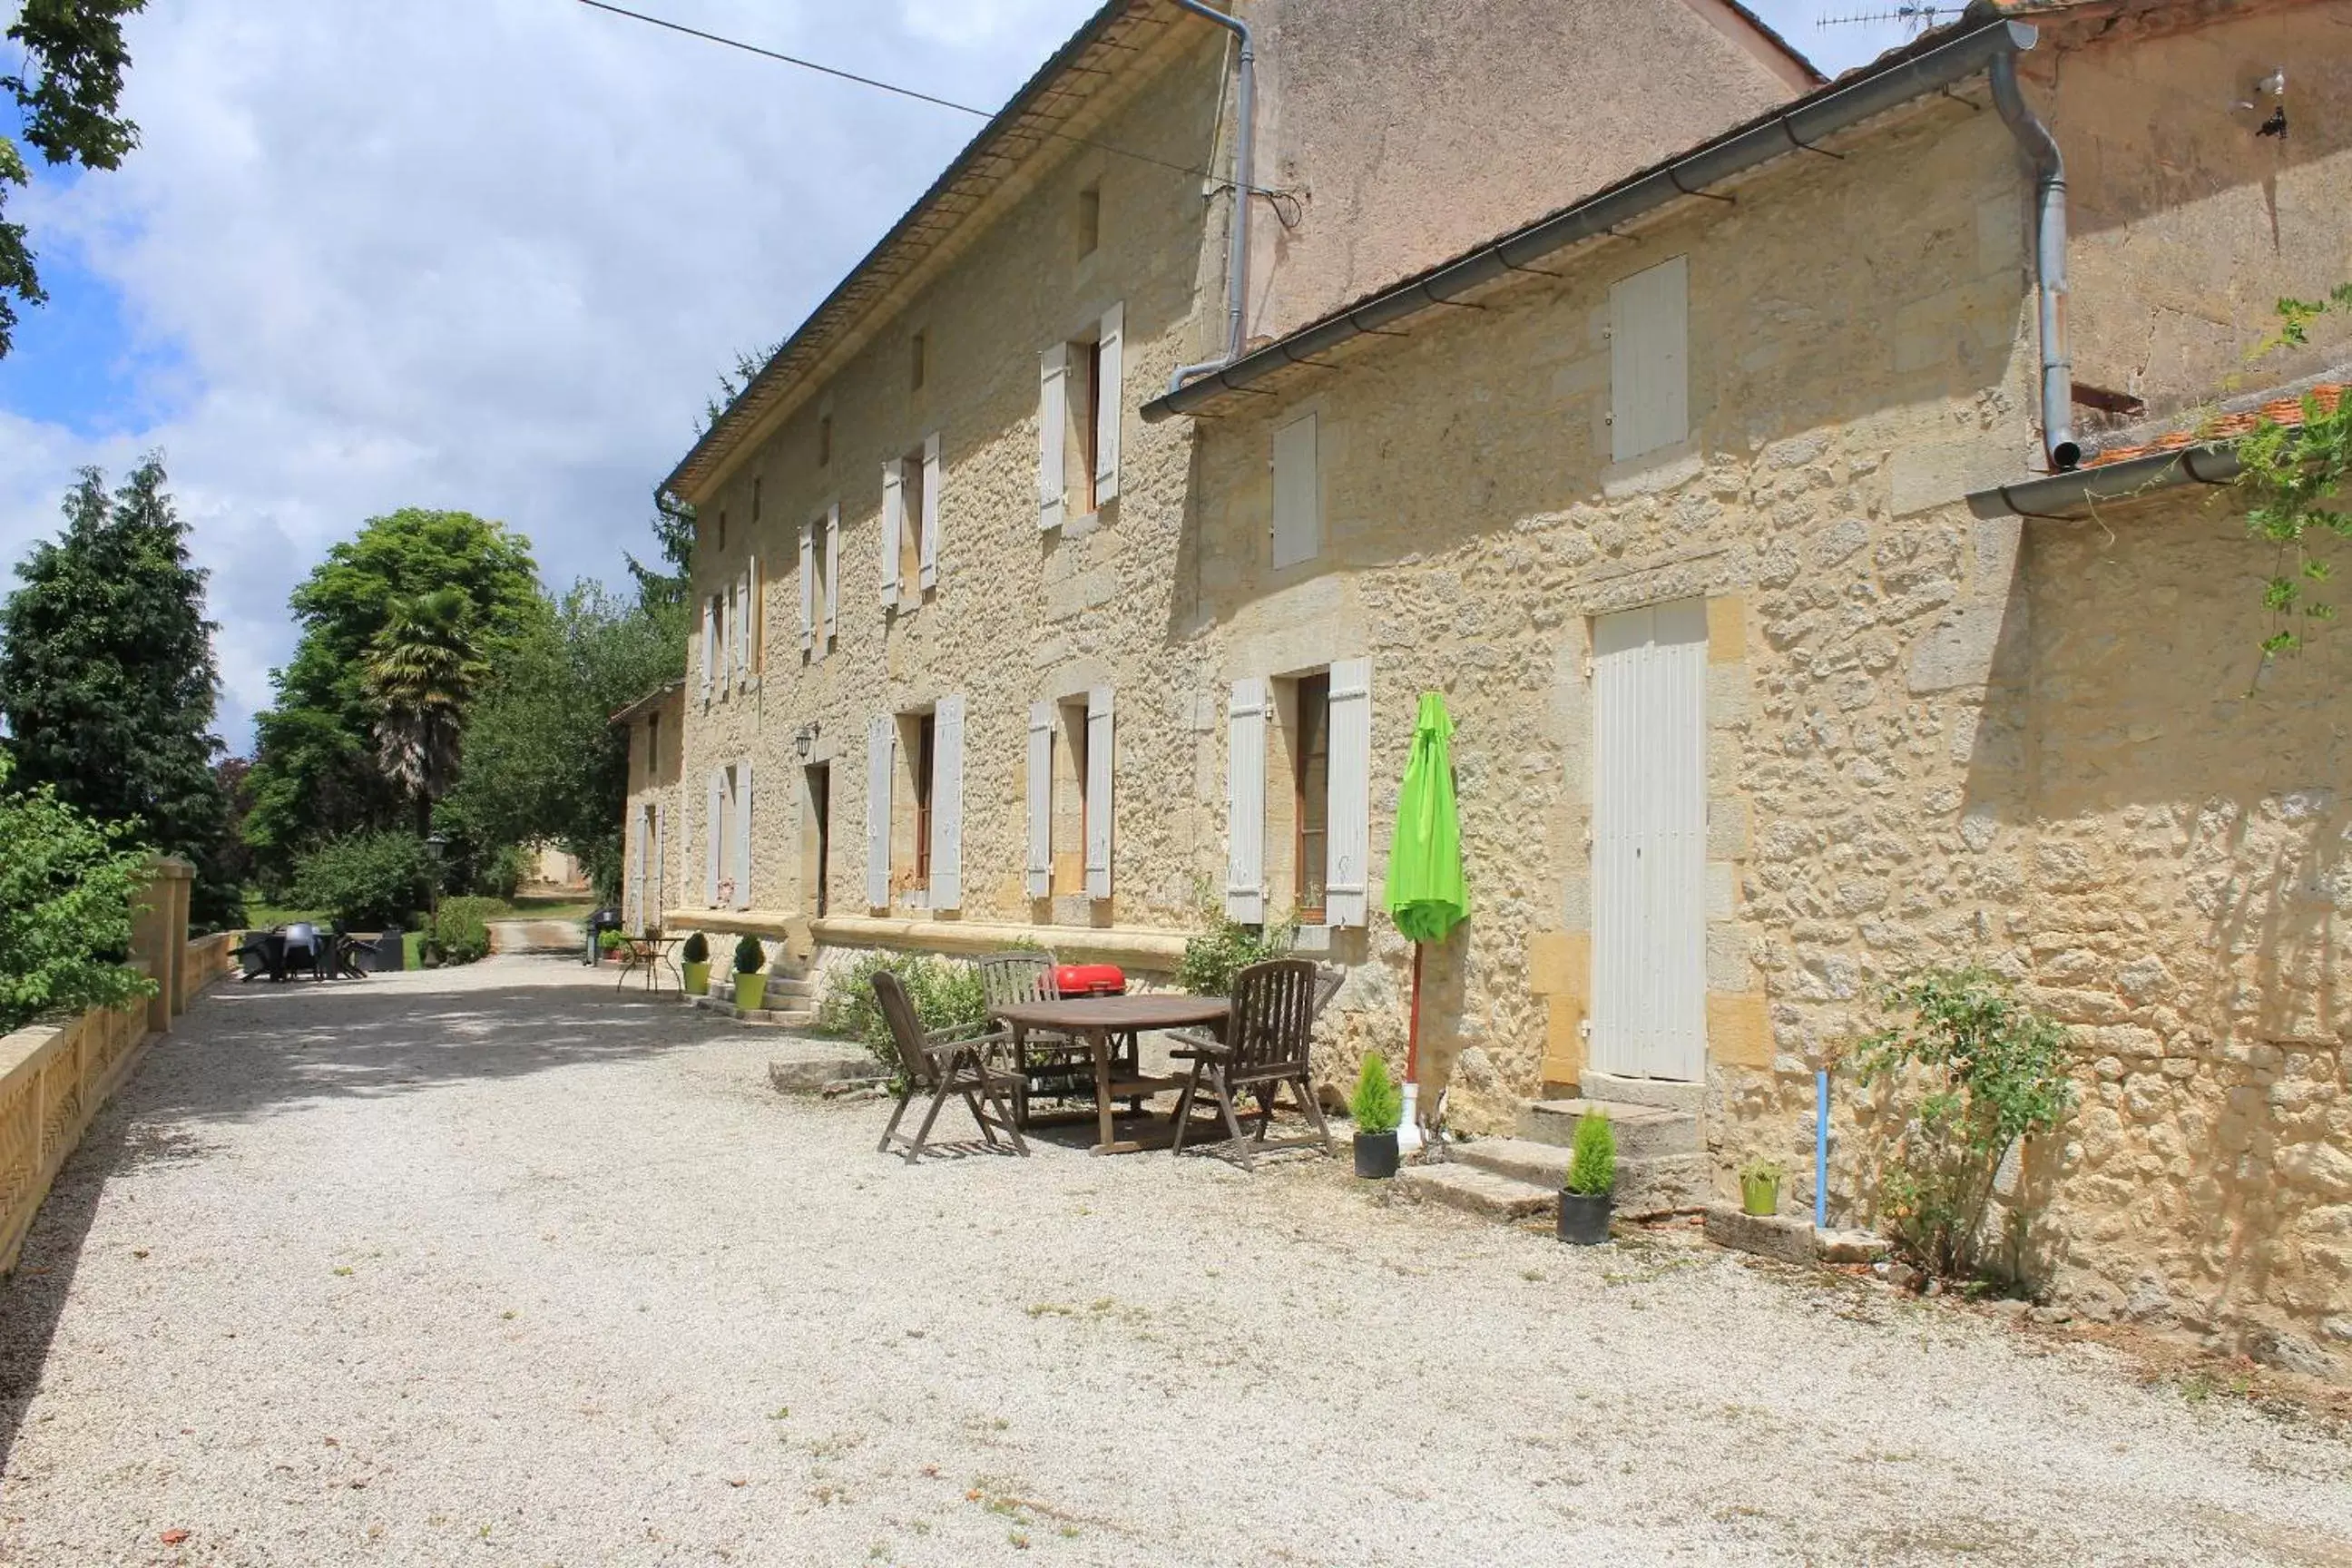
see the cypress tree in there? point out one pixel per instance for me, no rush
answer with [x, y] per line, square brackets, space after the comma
[107, 681]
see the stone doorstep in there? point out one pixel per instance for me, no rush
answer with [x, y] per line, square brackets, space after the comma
[766, 1017]
[1479, 1191]
[1643, 1132]
[1790, 1239]
[1664, 1094]
[1644, 1186]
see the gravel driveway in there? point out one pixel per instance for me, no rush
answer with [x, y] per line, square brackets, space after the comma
[494, 1267]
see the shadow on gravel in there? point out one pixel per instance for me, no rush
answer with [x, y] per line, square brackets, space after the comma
[263, 1048]
[33, 1296]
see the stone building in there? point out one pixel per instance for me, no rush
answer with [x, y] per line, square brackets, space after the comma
[1806, 615]
[653, 874]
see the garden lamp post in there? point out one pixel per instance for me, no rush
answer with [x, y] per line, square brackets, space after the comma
[435, 847]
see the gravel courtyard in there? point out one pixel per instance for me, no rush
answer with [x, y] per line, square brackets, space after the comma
[493, 1267]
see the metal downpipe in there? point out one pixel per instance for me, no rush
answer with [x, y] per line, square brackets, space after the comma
[2049, 263]
[1237, 250]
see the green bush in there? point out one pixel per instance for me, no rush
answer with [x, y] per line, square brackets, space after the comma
[695, 950]
[367, 880]
[1975, 1070]
[945, 994]
[751, 955]
[1592, 1162]
[66, 886]
[1377, 1104]
[499, 872]
[461, 929]
[610, 940]
[1212, 958]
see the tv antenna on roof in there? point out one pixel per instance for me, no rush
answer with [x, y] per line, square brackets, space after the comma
[1914, 15]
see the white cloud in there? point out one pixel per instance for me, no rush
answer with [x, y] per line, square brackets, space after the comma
[486, 253]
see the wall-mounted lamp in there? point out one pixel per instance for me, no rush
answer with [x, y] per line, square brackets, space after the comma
[804, 738]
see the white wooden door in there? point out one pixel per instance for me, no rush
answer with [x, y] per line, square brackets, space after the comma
[1649, 842]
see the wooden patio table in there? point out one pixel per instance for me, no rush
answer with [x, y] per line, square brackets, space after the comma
[1099, 1020]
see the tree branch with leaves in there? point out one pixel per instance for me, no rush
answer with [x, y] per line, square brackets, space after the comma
[2293, 474]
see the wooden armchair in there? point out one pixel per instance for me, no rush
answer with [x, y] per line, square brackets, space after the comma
[941, 1063]
[1265, 1046]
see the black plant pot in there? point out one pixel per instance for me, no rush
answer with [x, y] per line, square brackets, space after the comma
[1585, 1221]
[1375, 1155]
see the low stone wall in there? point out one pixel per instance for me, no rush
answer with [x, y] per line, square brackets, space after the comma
[53, 1080]
[209, 958]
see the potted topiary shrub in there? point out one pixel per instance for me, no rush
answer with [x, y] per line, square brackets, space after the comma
[750, 974]
[1586, 1197]
[1378, 1105]
[1759, 1186]
[695, 958]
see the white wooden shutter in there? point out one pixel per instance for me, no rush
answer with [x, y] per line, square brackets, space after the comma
[1649, 359]
[709, 648]
[946, 803]
[1099, 797]
[1040, 799]
[1298, 493]
[755, 618]
[832, 571]
[711, 824]
[930, 518]
[744, 833]
[636, 913]
[894, 525]
[1245, 804]
[808, 588]
[1348, 839]
[661, 860]
[1053, 415]
[1109, 403]
[743, 614]
[878, 757]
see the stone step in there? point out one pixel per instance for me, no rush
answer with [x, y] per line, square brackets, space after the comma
[790, 985]
[1478, 1191]
[778, 1017]
[1643, 1131]
[1667, 1094]
[1649, 1185]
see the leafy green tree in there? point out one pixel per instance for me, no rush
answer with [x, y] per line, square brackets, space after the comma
[66, 886]
[2295, 476]
[423, 673]
[316, 773]
[67, 88]
[542, 760]
[673, 525]
[107, 681]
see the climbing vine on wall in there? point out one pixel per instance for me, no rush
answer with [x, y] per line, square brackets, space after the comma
[2293, 475]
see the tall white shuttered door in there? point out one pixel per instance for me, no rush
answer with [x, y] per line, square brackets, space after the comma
[1649, 842]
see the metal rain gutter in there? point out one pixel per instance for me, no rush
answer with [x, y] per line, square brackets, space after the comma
[1798, 128]
[2048, 497]
[2049, 262]
[1237, 250]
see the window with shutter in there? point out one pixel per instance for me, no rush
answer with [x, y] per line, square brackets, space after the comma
[1245, 803]
[744, 833]
[1110, 400]
[929, 571]
[946, 805]
[830, 579]
[808, 588]
[880, 753]
[894, 526]
[661, 862]
[712, 827]
[710, 650]
[1649, 360]
[1053, 417]
[1098, 809]
[1346, 883]
[755, 625]
[1041, 800]
[1298, 493]
[634, 914]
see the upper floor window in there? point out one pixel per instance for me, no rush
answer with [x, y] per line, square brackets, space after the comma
[1081, 402]
[1649, 360]
[918, 351]
[653, 746]
[823, 439]
[1089, 220]
[1298, 492]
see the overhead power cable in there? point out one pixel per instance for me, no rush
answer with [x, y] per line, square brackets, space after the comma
[893, 87]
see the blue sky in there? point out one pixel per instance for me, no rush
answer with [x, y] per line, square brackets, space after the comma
[470, 253]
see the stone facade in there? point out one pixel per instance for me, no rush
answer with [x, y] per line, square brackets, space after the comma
[1931, 733]
[653, 834]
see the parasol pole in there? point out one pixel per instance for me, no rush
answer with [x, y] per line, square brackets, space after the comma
[1409, 1132]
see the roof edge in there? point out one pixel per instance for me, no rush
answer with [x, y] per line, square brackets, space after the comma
[1894, 78]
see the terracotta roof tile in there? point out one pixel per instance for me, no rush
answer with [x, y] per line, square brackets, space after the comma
[2226, 427]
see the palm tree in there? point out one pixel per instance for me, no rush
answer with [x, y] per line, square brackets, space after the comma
[423, 671]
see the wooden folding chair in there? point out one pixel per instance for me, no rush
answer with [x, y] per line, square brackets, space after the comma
[1049, 1062]
[941, 1063]
[1265, 1046]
